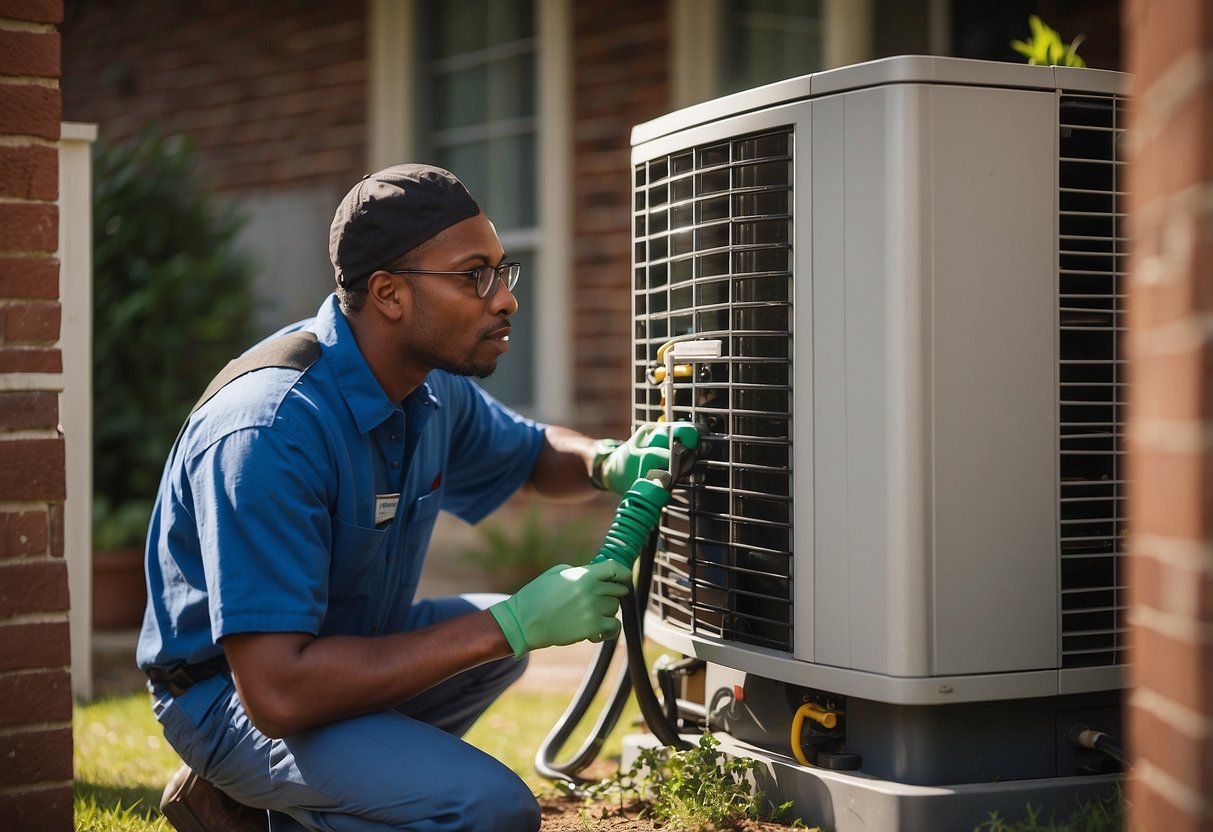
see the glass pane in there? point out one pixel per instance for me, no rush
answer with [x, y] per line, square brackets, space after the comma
[461, 26]
[462, 97]
[510, 20]
[511, 82]
[511, 192]
[514, 381]
[470, 163]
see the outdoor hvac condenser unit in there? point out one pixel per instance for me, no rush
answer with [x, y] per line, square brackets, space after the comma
[909, 509]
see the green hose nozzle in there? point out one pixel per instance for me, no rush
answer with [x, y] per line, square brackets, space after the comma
[638, 514]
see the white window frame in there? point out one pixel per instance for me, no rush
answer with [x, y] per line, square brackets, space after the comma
[392, 101]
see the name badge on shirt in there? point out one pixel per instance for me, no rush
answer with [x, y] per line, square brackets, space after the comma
[385, 507]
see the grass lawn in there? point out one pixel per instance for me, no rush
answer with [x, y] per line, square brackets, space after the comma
[121, 764]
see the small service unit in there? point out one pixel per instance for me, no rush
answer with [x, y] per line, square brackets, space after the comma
[892, 295]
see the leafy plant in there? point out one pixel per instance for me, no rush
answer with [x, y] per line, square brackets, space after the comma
[514, 553]
[171, 304]
[1044, 47]
[700, 788]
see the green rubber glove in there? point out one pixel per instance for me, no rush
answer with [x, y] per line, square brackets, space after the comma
[564, 605]
[616, 466]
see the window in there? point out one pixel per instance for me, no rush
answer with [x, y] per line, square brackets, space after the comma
[482, 87]
[756, 42]
[478, 101]
[768, 40]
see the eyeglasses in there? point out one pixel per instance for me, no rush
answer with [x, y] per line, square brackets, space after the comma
[484, 276]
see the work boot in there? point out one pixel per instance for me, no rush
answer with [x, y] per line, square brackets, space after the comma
[191, 804]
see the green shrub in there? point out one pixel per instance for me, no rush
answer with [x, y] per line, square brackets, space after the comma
[172, 302]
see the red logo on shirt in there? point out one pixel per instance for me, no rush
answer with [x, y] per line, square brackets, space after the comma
[437, 482]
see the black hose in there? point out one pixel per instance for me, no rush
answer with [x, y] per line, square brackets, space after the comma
[669, 695]
[636, 677]
[633, 632]
[545, 758]
[1104, 743]
[1084, 737]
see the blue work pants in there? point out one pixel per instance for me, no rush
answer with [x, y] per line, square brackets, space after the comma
[400, 769]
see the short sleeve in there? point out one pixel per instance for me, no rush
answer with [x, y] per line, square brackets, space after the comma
[261, 507]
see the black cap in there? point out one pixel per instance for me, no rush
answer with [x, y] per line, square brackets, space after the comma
[390, 213]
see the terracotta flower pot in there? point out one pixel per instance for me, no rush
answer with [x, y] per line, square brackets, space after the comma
[119, 589]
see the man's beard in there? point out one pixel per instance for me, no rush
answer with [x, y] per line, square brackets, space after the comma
[468, 366]
[471, 368]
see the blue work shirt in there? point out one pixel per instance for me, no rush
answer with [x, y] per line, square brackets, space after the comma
[304, 501]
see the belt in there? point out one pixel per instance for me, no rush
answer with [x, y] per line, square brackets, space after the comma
[181, 676]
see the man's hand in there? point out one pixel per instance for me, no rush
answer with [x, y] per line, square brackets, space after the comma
[616, 468]
[564, 605]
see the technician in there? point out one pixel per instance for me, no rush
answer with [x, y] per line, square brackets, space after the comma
[291, 666]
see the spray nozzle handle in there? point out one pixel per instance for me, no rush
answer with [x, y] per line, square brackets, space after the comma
[682, 460]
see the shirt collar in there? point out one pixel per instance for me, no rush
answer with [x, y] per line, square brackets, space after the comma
[368, 403]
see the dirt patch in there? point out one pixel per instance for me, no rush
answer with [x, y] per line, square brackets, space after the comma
[562, 814]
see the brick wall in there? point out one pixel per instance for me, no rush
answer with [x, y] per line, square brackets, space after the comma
[1169, 48]
[272, 93]
[35, 683]
[621, 77]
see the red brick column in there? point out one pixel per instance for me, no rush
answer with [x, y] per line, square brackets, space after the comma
[1170, 52]
[35, 683]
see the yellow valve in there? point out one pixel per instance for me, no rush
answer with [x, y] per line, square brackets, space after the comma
[824, 718]
[667, 372]
[656, 375]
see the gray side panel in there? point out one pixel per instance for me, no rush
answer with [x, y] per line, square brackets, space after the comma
[994, 380]
[866, 396]
[871, 547]
[831, 547]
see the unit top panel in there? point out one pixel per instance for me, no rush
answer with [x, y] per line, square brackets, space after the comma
[900, 69]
